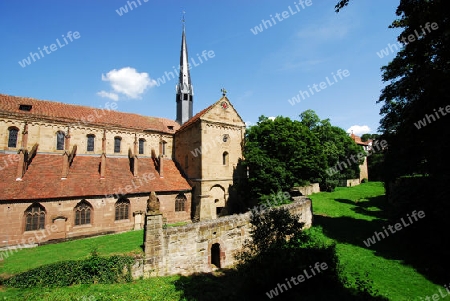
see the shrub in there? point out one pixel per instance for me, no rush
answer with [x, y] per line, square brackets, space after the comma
[95, 269]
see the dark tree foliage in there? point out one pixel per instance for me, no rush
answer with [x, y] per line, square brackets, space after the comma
[281, 153]
[337, 146]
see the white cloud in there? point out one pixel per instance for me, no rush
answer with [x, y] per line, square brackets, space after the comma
[127, 81]
[109, 95]
[271, 118]
[359, 130]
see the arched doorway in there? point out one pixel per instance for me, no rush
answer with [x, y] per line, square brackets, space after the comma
[215, 255]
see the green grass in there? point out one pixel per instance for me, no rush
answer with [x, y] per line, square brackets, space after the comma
[26, 259]
[352, 214]
[347, 216]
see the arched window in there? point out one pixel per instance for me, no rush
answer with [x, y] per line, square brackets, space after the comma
[225, 158]
[163, 147]
[83, 213]
[180, 202]
[35, 218]
[60, 140]
[117, 141]
[90, 142]
[141, 146]
[12, 138]
[122, 209]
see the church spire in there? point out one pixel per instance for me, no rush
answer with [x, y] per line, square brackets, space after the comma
[185, 91]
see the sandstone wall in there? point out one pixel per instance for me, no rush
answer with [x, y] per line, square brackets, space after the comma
[307, 190]
[190, 249]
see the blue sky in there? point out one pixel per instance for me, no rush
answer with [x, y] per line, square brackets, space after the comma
[119, 58]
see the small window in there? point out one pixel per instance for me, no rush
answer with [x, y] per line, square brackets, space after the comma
[83, 213]
[180, 202]
[185, 97]
[163, 147]
[35, 218]
[12, 139]
[60, 140]
[26, 108]
[141, 146]
[225, 158]
[90, 142]
[122, 209]
[117, 141]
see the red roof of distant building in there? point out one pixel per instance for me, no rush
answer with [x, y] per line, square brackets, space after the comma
[77, 114]
[43, 180]
[358, 140]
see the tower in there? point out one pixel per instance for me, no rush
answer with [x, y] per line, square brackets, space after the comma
[185, 91]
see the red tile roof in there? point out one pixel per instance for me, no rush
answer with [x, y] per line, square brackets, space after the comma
[69, 113]
[195, 118]
[358, 140]
[42, 180]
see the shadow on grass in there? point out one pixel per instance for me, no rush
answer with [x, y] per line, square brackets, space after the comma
[362, 206]
[420, 244]
[229, 285]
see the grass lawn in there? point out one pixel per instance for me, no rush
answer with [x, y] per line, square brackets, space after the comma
[348, 216]
[351, 215]
[26, 259]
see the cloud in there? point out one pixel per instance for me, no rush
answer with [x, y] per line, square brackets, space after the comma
[359, 130]
[127, 81]
[109, 95]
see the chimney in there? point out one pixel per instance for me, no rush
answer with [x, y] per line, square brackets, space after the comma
[25, 136]
[20, 165]
[103, 166]
[135, 166]
[65, 167]
[161, 166]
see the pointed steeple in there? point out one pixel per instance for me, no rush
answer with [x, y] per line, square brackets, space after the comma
[185, 91]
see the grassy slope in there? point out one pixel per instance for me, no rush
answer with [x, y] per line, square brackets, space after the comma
[348, 216]
[351, 215]
[26, 259]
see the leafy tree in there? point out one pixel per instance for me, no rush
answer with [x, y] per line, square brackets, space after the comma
[281, 153]
[366, 137]
[337, 146]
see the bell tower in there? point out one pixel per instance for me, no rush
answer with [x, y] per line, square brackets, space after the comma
[185, 91]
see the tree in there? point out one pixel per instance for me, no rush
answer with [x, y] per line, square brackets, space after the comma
[281, 153]
[337, 146]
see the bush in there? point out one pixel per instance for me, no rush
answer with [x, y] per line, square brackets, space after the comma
[95, 269]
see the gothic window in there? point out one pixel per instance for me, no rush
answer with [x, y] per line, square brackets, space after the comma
[122, 209]
[12, 139]
[225, 158]
[83, 213]
[163, 147]
[90, 142]
[60, 140]
[180, 202]
[141, 146]
[117, 141]
[35, 218]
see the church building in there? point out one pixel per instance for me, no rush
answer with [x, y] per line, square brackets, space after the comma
[71, 171]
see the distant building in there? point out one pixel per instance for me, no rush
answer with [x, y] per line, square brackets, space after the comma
[88, 171]
[367, 146]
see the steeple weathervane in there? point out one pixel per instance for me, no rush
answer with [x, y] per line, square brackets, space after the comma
[185, 91]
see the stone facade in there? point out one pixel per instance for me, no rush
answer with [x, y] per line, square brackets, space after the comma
[209, 148]
[204, 246]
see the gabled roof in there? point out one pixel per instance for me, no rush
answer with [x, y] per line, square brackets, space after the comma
[358, 140]
[76, 114]
[202, 113]
[43, 178]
